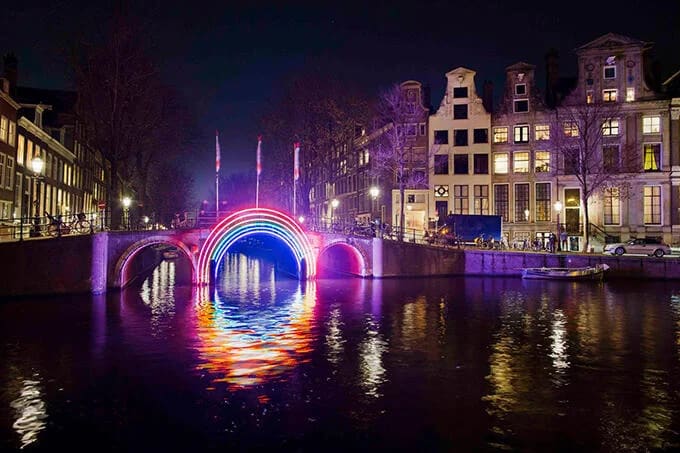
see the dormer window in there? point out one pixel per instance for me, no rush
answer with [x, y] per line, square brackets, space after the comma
[609, 72]
[521, 106]
[520, 89]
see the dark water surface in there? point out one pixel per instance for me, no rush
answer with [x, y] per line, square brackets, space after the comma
[441, 364]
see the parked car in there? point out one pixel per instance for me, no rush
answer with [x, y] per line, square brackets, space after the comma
[643, 246]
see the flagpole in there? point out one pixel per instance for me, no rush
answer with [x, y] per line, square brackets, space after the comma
[259, 170]
[296, 174]
[217, 176]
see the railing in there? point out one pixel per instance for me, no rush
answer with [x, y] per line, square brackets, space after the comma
[596, 231]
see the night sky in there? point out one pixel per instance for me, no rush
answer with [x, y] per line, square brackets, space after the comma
[228, 59]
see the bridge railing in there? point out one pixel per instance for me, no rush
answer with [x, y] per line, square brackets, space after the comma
[366, 229]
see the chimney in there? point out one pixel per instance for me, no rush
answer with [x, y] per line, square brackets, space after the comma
[552, 77]
[487, 96]
[11, 71]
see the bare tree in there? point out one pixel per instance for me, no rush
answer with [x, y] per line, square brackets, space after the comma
[394, 155]
[587, 148]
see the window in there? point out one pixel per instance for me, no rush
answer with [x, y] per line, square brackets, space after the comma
[9, 173]
[521, 106]
[441, 137]
[500, 163]
[460, 137]
[609, 95]
[652, 205]
[609, 72]
[652, 156]
[500, 134]
[441, 191]
[501, 203]
[461, 202]
[570, 129]
[542, 132]
[612, 205]
[2, 170]
[630, 94]
[542, 161]
[481, 164]
[460, 112]
[481, 199]
[4, 126]
[590, 97]
[521, 161]
[521, 201]
[20, 149]
[480, 136]
[441, 164]
[12, 133]
[520, 89]
[460, 164]
[411, 130]
[460, 92]
[610, 127]
[543, 202]
[651, 124]
[521, 133]
[610, 158]
[422, 128]
[571, 161]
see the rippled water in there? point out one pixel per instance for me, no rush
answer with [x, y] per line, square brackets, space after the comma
[442, 364]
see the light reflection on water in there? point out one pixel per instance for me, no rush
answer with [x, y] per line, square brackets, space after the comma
[432, 365]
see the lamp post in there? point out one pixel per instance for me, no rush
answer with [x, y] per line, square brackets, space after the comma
[558, 209]
[37, 165]
[334, 204]
[126, 211]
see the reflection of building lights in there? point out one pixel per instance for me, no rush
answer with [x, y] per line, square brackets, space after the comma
[559, 342]
[30, 412]
[334, 340]
[371, 367]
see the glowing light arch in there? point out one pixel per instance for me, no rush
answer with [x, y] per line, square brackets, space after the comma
[256, 221]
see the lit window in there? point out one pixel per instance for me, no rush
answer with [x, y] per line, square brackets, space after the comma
[20, 149]
[500, 134]
[501, 201]
[542, 161]
[521, 201]
[542, 132]
[652, 205]
[521, 134]
[461, 200]
[570, 129]
[4, 125]
[441, 191]
[521, 161]
[609, 95]
[12, 133]
[630, 94]
[651, 124]
[521, 106]
[652, 156]
[481, 199]
[610, 127]
[609, 72]
[590, 98]
[543, 205]
[500, 163]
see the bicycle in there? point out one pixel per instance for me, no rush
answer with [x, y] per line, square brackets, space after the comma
[57, 226]
[80, 225]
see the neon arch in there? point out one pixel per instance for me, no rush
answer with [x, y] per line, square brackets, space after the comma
[256, 221]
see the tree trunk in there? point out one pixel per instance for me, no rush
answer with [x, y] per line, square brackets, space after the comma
[586, 226]
[112, 193]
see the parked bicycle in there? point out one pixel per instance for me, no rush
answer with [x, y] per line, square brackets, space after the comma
[58, 227]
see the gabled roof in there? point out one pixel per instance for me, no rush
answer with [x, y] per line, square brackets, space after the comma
[460, 69]
[613, 40]
[520, 66]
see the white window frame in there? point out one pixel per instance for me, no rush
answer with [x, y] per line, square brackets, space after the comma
[651, 213]
[498, 131]
[610, 95]
[521, 85]
[9, 171]
[651, 124]
[604, 72]
[11, 139]
[542, 161]
[610, 127]
[497, 160]
[525, 163]
[543, 133]
[520, 127]
[617, 208]
[514, 106]
[4, 128]
[630, 94]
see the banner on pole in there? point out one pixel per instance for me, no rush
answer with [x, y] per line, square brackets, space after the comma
[217, 152]
[296, 161]
[259, 154]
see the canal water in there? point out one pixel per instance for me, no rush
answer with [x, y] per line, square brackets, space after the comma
[438, 364]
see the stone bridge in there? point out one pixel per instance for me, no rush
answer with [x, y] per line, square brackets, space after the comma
[313, 252]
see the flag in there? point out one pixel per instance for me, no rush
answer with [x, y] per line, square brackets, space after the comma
[217, 152]
[259, 154]
[296, 161]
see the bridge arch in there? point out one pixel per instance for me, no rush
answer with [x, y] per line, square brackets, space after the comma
[250, 222]
[136, 247]
[353, 258]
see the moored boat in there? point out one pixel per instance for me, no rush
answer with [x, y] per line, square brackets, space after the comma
[565, 273]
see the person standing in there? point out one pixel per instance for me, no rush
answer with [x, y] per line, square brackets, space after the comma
[563, 240]
[551, 242]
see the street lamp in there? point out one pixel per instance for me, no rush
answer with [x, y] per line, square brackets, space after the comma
[558, 209]
[334, 204]
[37, 165]
[126, 211]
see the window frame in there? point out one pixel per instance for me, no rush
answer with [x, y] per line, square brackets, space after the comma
[457, 112]
[652, 213]
[611, 127]
[524, 164]
[438, 165]
[523, 129]
[657, 154]
[653, 127]
[498, 133]
[604, 72]
[542, 134]
[457, 159]
[497, 160]
[545, 163]
[522, 102]
[610, 95]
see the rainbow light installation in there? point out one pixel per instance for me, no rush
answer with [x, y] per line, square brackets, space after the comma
[255, 221]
